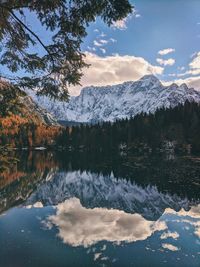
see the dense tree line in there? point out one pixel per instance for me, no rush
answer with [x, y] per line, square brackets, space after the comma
[20, 132]
[180, 125]
[179, 176]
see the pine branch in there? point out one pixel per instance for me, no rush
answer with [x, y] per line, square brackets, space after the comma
[31, 32]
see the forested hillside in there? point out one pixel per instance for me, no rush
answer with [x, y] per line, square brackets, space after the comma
[22, 122]
[168, 128]
[174, 128]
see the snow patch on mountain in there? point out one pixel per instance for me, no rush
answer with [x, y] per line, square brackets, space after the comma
[109, 103]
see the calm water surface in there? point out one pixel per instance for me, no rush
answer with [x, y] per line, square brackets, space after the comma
[59, 210]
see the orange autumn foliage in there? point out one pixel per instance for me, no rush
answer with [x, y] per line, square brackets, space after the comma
[7, 178]
[19, 131]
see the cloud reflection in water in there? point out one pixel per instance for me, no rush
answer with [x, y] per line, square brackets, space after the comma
[79, 226]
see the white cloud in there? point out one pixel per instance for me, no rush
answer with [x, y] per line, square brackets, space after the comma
[192, 82]
[96, 43]
[80, 226]
[194, 70]
[194, 212]
[166, 62]
[170, 247]
[169, 234]
[181, 68]
[91, 48]
[191, 218]
[102, 35]
[103, 50]
[166, 51]
[103, 41]
[195, 64]
[189, 72]
[137, 15]
[114, 69]
[100, 43]
[113, 40]
[120, 24]
[172, 75]
[97, 256]
[36, 205]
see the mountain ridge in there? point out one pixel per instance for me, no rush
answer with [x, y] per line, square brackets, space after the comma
[96, 190]
[113, 102]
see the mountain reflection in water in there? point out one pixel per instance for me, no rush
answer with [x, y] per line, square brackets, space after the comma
[94, 210]
[97, 190]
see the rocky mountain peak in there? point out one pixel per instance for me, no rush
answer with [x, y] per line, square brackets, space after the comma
[109, 103]
[150, 79]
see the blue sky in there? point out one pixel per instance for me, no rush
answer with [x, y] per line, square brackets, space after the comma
[162, 37]
[156, 25]
[163, 24]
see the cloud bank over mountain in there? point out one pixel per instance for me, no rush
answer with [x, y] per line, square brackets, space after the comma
[114, 69]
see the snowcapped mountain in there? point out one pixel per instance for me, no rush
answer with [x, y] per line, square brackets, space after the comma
[108, 103]
[96, 190]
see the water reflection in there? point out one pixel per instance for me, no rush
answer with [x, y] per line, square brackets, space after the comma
[189, 218]
[153, 172]
[97, 190]
[79, 226]
[19, 180]
[101, 212]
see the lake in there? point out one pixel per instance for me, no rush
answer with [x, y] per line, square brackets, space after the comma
[60, 209]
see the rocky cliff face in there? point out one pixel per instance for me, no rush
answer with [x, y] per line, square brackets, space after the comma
[126, 100]
[40, 113]
[13, 101]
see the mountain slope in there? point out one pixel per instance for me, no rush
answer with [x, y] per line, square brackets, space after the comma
[108, 103]
[96, 190]
[14, 102]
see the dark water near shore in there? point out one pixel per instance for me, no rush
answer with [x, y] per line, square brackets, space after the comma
[59, 210]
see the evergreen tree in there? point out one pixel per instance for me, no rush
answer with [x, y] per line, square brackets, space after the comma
[61, 62]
